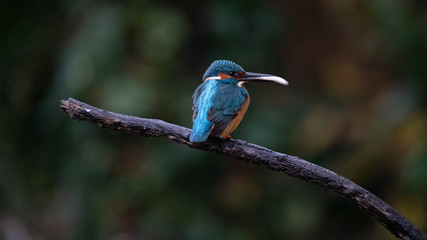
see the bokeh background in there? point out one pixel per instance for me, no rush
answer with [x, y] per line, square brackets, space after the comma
[356, 104]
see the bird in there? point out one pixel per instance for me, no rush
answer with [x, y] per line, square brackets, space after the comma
[221, 101]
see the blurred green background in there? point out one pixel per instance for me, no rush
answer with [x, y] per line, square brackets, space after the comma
[356, 104]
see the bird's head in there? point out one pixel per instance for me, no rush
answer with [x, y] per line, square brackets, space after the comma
[224, 69]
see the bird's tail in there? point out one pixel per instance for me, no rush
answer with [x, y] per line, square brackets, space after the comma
[201, 130]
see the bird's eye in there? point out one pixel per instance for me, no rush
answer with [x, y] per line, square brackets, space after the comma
[234, 74]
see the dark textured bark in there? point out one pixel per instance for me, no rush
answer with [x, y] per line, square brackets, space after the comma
[293, 166]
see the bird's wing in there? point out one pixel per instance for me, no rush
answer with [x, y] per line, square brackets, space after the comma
[226, 104]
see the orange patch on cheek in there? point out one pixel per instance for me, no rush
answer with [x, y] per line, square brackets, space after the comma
[224, 76]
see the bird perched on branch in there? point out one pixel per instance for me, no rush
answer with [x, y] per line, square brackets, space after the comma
[221, 101]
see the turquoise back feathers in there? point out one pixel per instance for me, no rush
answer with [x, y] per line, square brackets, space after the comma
[220, 102]
[216, 101]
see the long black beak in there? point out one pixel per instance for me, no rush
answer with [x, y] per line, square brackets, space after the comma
[260, 77]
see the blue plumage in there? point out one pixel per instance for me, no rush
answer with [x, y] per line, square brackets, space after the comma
[221, 66]
[215, 104]
[220, 102]
[202, 100]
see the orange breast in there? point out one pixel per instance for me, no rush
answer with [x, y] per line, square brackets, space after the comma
[236, 120]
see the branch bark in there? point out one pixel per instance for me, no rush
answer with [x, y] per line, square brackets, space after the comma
[293, 166]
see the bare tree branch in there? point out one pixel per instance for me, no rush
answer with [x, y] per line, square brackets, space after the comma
[293, 166]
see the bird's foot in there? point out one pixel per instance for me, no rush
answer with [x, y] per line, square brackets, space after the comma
[228, 137]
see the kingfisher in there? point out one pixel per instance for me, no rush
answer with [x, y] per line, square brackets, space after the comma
[221, 101]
